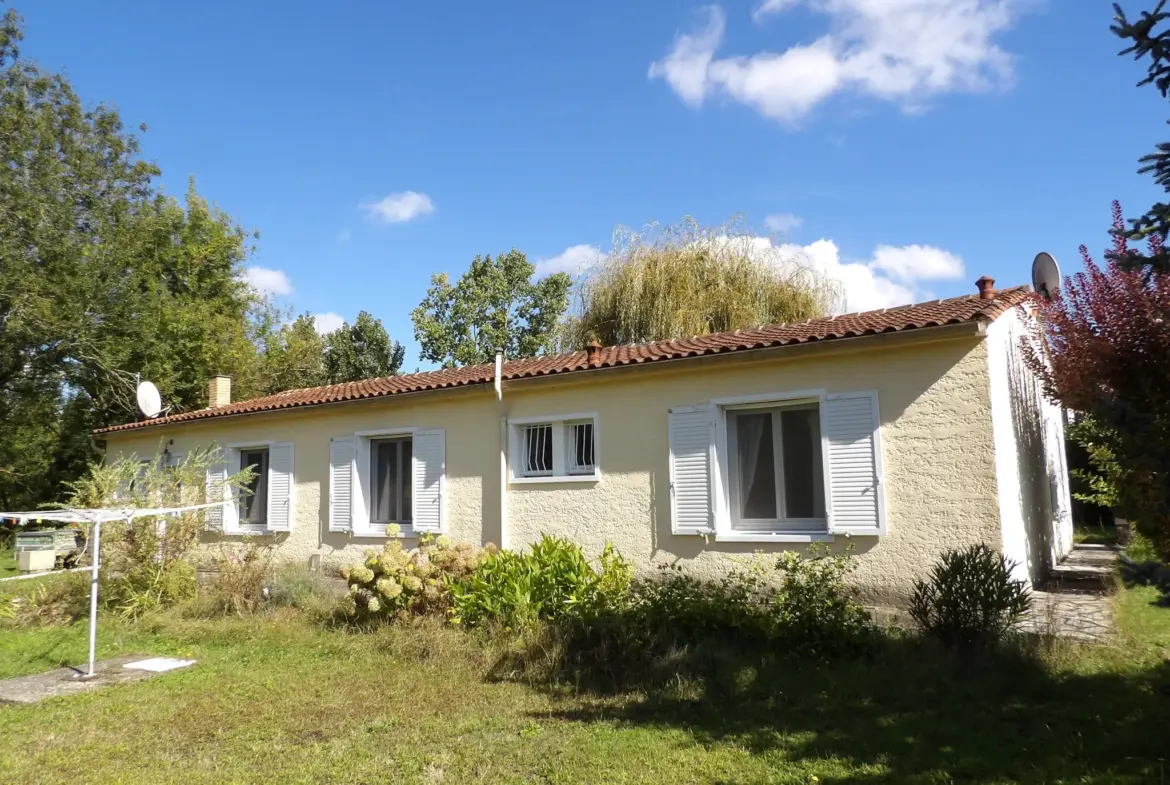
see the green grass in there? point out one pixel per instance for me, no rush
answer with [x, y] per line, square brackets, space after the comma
[277, 700]
[8, 563]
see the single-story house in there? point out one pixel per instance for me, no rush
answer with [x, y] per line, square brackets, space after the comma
[901, 432]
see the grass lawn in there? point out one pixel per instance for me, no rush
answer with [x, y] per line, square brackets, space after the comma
[274, 699]
[8, 563]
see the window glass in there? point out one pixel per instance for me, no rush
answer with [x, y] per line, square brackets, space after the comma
[581, 449]
[538, 450]
[757, 466]
[254, 495]
[804, 486]
[390, 474]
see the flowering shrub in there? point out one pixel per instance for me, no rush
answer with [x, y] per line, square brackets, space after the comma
[395, 582]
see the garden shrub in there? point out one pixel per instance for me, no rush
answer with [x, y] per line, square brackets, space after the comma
[241, 578]
[53, 600]
[971, 599]
[552, 581]
[311, 592]
[396, 583]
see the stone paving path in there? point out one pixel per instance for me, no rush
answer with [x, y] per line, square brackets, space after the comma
[1085, 616]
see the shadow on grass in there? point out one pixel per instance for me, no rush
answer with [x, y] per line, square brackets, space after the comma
[905, 713]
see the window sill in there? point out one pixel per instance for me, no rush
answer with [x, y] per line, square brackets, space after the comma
[254, 532]
[562, 478]
[379, 530]
[775, 537]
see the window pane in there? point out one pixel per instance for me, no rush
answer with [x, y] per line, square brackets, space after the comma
[581, 458]
[538, 449]
[384, 473]
[254, 495]
[804, 487]
[757, 466]
[407, 482]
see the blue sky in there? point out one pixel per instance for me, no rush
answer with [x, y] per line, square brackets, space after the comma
[907, 146]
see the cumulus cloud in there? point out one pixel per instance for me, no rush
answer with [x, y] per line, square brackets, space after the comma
[399, 207]
[783, 222]
[573, 260]
[904, 51]
[327, 322]
[893, 275]
[268, 282]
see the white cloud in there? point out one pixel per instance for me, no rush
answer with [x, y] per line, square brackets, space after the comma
[573, 260]
[268, 282]
[904, 51]
[783, 222]
[892, 276]
[327, 322]
[400, 207]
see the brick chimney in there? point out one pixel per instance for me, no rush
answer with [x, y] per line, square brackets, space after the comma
[593, 354]
[986, 286]
[219, 391]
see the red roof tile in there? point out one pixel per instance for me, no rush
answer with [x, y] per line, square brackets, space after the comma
[957, 310]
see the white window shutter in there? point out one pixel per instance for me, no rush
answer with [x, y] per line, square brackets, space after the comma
[280, 487]
[855, 500]
[691, 434]
[429, 468]
[226, 516]
[342, 451]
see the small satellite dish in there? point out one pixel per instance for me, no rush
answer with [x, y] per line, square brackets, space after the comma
[149, 401]
[1045, 275]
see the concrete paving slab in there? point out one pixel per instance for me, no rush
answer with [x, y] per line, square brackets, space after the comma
[66, 681]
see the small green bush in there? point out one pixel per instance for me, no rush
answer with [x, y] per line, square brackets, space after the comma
[396, 583]
[312, 592]
[971, 600]
[553, 581]
[241, 579]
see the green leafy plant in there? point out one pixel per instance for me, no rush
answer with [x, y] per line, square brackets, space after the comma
[552, 581]
[242, 575]
[971, 599]
[397, 583]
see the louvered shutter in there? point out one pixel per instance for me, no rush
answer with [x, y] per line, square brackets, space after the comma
[342, 451]
[691, 432]
[280, 487]
[855, 499]
[226, 516]
[429, 467]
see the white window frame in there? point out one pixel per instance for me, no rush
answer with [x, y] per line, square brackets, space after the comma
[725, 531]
[560, 450]
[362, 524]
[234, 457]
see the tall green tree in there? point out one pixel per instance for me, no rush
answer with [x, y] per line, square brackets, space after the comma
[362, 350]
[101, 277]
[683, 280]
[495, 304]
[1149, 39]
[295, 357]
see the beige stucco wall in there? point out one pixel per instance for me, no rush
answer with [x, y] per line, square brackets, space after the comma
[934, 400]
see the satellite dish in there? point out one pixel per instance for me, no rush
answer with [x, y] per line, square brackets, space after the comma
[1045, 275]
[149, 401]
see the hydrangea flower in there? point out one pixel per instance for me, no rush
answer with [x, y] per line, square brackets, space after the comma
[443, 541]
[373, 606]
[354, 589]
[361, 574]
[412, 583]
[389, 588]
[345, 572]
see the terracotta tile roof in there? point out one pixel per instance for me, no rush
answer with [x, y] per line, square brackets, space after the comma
[957, 310]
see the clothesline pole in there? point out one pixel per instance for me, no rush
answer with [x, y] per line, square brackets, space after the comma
[93, 596]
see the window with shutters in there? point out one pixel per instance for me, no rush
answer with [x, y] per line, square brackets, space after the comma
[776, 479]
[554, 449]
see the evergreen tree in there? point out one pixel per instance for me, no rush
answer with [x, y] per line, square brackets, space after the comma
[1149, 37]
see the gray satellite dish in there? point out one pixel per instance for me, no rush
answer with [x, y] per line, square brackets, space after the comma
[149, 401]
[1045, 275]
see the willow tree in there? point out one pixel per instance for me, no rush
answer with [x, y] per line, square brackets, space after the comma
[683, 280]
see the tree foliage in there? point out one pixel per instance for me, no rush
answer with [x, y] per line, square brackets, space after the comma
[362, 350]
[495, 304]
[1149, 38]
[101, 276]
[683, 280]
[1106, 354]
